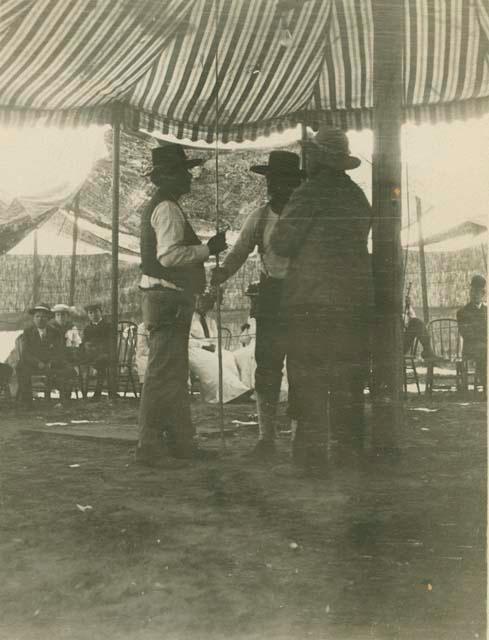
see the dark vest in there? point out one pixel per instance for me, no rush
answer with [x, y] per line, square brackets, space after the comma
[191, 277]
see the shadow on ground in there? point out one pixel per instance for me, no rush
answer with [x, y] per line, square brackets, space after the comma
[232, 549]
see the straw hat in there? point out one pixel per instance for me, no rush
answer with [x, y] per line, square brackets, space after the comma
[60, 308]
[42, 306]
[334, 149]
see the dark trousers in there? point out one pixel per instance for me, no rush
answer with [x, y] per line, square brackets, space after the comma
[416, 328]
[59, 375]
[272, 337]
[327, 367]
[165, 406]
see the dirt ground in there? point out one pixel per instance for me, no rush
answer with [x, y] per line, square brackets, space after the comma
[230, 549]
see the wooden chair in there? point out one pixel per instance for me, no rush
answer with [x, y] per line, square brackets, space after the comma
[126, 352]
[127, 378]
[445, 342]
[410, 366]
[470, 373]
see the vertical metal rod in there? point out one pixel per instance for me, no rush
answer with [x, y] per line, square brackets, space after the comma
[388, 90]
[218, 301]
[422, 261]
[303, 150]
[76, 213]
[116, 143]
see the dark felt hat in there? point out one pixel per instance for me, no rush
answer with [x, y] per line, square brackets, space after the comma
[42, 306]
[478, 282]
[93, 307]
[280, 162]
[168, 159]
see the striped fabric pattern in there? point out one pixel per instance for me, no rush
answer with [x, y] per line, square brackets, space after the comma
[279, 62]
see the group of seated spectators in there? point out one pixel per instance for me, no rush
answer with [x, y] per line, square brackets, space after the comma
[53, 347]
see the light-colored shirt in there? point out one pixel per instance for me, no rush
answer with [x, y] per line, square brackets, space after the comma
[42, 333]
[169, 221]
[272, 265]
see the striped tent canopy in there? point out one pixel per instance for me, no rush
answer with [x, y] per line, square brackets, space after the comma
[279, 62]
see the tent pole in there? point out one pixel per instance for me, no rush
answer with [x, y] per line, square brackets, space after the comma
[35, 270]
[422, 261]
[116, 143]
[76, 212]
[388, 358]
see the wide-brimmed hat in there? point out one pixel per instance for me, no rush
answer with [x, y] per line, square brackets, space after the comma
[42, 306]
[280, 162]
[478, 282]
[93, 307]
[61, 307]
[169, 158]
[334, 149]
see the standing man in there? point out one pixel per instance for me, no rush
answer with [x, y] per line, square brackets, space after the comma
[323, 231]
[283, 175]
[172, 263]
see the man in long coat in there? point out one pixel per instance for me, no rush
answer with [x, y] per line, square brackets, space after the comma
[323, 230]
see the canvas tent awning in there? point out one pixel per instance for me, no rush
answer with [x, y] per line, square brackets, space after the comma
[440, 235]
[70, 62]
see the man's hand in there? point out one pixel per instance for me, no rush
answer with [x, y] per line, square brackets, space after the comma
[41, 366]
[217, 243]
[219, 276]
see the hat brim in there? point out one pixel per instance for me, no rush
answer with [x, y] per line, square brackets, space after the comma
[341, 161]
[265, 170]
[189, 163]
[33, 310]
[92, 307]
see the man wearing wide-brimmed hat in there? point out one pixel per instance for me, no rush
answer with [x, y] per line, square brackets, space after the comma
[172, 264]
[283, 175]
[323, 231]
[42, 351]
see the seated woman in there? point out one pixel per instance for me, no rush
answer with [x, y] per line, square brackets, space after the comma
[63, 323]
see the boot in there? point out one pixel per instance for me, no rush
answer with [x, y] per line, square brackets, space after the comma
[266, 406]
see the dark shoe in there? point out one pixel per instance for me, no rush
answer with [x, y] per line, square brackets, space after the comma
[264, 450]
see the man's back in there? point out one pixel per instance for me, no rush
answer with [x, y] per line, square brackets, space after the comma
[324, 230]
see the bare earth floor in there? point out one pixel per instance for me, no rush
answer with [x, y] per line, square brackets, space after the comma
[231, 549]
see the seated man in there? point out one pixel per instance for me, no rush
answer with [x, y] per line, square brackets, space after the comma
[415, 328]
[203, 361]
[472, 326]
[95, 346]
[42, 351]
